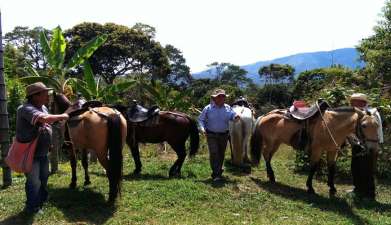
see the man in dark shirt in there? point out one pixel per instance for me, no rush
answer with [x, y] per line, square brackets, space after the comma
[33, 120]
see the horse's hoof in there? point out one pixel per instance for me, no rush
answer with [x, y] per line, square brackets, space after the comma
[72, 186]
[332, 191]
[136, 172]
[174, 175]
[86, 183]
[311, 191]
[111, 201]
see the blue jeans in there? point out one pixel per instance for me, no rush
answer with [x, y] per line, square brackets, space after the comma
[36, 184]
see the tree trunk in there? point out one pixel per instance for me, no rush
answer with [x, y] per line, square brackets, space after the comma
[4, 123]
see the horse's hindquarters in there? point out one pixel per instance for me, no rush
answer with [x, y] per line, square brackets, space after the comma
[240, 132]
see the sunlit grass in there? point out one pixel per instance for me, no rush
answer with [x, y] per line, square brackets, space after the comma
[153, 198]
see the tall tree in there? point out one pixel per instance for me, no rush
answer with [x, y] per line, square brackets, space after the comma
[27, 41]
[128, 51]
[275, 73]
[146, 29]
[4, 124]
[376, 50]
[227, 73]
[14, 62]
[180, 72]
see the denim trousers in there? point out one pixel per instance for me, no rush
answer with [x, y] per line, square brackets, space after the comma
[217, 144]
[36, 183]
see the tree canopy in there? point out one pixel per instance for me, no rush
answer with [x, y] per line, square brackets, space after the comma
[127, 51]
[275, 73]
[376, 50]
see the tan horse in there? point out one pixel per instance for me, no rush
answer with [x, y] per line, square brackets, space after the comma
[101, 129]
[327, 134]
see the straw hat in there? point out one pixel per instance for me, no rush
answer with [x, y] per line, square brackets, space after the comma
[36, 88]
[218, 92]
[360, 97]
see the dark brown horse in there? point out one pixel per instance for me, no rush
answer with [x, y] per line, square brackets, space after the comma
[172, 127]
[101, 129]
[327, 133]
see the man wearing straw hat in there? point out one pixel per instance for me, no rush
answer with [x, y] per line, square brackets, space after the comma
[32, 121]
[214, 123]
[363, 163]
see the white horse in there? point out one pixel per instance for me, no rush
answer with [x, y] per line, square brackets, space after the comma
[240, 132]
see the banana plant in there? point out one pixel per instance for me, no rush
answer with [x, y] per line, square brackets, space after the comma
[92, 89]
[167, 98]
[54, 52]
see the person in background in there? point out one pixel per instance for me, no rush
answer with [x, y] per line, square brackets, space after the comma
[214, 123]
[33, 120]
[363, 164]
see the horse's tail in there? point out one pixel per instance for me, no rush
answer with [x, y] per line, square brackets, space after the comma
[115, 155]
[194, 137]
[256, 143]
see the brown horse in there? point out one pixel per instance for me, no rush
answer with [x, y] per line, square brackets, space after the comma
[327, 133]
[101, 129]
[172, 127]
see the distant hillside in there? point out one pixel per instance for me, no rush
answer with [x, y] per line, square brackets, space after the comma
[347, 57]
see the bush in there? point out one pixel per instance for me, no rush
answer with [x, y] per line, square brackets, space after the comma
[15, 97]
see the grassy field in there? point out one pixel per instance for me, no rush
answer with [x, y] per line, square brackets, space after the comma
[153, 198]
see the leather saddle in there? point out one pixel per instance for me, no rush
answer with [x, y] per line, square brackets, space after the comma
[305, 113]
[81, 106]
[138, 114]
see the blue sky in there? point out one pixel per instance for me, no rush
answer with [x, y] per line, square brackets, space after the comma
[235, 31]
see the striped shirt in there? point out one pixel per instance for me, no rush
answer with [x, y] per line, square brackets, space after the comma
[27, 127]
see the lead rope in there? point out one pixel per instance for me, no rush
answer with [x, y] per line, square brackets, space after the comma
[328, 129]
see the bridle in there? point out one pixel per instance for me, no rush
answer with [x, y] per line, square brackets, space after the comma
[360, 133]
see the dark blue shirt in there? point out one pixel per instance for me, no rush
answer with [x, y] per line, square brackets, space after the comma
[28, 127]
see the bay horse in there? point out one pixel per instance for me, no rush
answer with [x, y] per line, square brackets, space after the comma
[101, 129]
[327, 133]
[173, 128]
[240, 132]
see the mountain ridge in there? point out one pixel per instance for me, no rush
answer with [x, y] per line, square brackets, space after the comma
[348, 57]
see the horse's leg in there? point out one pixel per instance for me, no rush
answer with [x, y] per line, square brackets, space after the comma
[175, 170]
[247, 135]
[72, 160]
[136, 157]
[268, 153]
[331, 158]
[314, 163]
[246, 159]
[84, 162]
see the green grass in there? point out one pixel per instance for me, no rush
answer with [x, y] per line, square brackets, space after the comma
[153, 198]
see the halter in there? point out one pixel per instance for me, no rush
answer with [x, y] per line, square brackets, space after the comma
[360, 133]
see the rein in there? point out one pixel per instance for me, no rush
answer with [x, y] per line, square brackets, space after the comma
[327, 127]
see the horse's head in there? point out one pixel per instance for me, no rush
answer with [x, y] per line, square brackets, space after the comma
[61, 103]
[366, 131]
